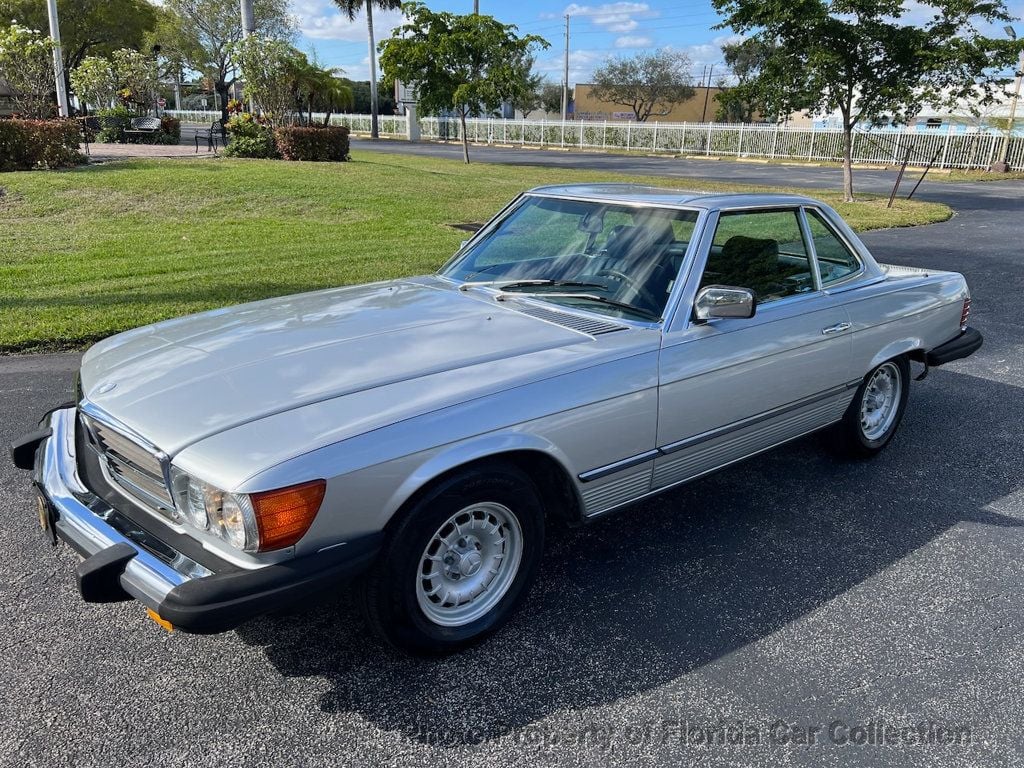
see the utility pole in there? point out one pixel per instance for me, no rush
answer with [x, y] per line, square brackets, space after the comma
[476, 7]
[58, 60]
[565, 74]
[1001, 165]
[707, 92]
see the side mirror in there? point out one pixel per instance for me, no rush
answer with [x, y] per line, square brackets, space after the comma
[724, 301]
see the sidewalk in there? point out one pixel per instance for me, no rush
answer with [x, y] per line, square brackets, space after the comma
[99, 153]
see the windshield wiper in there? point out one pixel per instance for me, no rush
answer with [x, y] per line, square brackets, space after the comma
[517, 284]
[600, 300]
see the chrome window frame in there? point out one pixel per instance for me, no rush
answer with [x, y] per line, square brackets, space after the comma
[826, 220]
[699, 262]
[677, 287]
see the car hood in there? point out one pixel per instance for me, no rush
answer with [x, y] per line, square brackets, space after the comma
[180, 381]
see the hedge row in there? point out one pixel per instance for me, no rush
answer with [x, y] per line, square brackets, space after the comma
[250, 138]
[327, 143]
[28, 144]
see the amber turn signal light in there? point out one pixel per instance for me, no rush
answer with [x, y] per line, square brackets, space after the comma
[283, 516]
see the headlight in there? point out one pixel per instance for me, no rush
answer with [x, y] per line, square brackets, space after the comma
[255, 522]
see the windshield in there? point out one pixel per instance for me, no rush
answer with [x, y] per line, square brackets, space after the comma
[616, 259]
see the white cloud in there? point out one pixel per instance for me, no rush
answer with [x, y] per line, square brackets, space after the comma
[612, 17]
[582, 64]
[321, 20]
[633, 41]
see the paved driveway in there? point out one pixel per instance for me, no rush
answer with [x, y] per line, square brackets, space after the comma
[792, 599]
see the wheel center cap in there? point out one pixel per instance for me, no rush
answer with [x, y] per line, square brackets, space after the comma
[470, 563]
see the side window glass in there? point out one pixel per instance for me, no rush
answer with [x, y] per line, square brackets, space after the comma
[760, 250]
[835, 261]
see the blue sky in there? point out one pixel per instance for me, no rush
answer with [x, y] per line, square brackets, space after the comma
[597, 31]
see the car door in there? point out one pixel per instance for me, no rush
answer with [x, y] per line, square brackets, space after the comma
[730, 387]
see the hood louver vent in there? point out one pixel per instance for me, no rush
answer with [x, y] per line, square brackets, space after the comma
[586, 325]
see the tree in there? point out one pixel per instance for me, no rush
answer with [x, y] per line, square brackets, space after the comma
[88, 27]
[458, 63]
[361, 97]
[26, 63]
[136, 77]
[318, 88]
[128, 75]
[746, 99]
[350, 8]
[270, 68]
[94, 82]
[649, 83]
[551, 97]
[864, 59]
[526, 97]
[202, 34]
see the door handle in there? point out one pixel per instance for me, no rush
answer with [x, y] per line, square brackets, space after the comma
[837, 328]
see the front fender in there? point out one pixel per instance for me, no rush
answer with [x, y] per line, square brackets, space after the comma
[474, 449]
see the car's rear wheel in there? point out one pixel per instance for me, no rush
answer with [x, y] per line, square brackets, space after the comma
[458, 562]
[877, 409]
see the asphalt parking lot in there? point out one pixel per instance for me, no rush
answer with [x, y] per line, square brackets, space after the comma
[793, 610]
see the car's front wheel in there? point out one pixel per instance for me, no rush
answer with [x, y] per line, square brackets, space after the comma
[877, 408]
[458, 562]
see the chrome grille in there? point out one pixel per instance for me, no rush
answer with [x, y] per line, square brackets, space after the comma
[132, 466]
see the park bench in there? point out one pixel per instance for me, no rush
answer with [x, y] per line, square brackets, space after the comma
[143, 126]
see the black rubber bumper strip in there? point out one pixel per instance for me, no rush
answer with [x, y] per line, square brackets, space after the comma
[964, 345]
[23, 450]
[223, 601]
[99, 576]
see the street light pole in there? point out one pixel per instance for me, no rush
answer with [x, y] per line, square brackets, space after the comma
[565, 74]
[1005, 151]
[58, 60]
[248, 28]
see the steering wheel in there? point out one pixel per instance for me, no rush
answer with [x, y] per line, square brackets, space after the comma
[648, 298]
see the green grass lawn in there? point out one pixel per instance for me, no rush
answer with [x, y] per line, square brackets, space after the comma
[89, 252]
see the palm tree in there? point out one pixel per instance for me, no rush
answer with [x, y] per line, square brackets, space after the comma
[350, 8]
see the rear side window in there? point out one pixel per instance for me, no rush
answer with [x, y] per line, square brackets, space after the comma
[835, 260]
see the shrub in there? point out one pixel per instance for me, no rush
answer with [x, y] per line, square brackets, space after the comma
[323, 143]
[28, 144]
[113, 121]
[249, 138]
[170, 130]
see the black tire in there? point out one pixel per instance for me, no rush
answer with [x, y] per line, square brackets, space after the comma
[389, 592]
[852, 439]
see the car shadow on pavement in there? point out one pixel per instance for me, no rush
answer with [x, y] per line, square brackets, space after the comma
[645, 597]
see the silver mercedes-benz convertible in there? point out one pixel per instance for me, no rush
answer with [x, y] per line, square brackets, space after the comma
[588, 347]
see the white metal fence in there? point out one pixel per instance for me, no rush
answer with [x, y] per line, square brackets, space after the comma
[948, 148]
[390, 125]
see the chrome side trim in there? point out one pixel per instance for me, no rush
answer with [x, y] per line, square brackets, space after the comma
[618, 466]
[796, 405]
[676, 483]
[711, 434]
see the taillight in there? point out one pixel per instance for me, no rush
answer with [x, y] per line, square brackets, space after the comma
[965, 313]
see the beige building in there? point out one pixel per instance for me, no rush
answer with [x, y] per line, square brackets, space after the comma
[700, 108]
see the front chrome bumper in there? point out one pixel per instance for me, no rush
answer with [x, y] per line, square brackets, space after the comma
[81, 517]
[123, 561]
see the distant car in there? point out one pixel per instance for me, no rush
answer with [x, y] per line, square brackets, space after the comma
[590, 346]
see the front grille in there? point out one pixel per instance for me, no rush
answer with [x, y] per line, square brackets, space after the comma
[134, 467]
